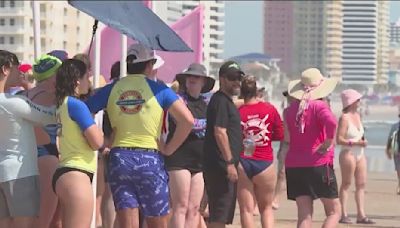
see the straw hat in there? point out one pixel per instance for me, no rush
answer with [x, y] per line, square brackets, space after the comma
[197, 69]
[314, 82]
[349, 97]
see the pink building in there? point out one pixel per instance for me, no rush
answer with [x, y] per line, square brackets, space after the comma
[278, 32]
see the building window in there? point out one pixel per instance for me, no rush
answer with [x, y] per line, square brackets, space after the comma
[65, 45]
[2, 3]
[65, 28]
[1, 39]
[12, 3]
[2, 22]
[77, 13]
[78, 30]
[31, 40]
[12, 21]
[65, 12]
[12, 40]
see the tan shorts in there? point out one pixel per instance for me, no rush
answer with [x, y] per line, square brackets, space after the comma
[20, 197]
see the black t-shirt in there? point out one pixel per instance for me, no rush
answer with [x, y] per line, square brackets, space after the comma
[190, 154]
[107, 129]
[221, 112]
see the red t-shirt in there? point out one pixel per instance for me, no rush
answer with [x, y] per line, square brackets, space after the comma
[263, 122]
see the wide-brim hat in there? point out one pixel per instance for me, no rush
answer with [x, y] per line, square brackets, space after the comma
[141, 52]
[349, 97]
[197, 69]
[313, 81]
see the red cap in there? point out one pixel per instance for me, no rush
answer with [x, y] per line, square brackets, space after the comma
[24, 68]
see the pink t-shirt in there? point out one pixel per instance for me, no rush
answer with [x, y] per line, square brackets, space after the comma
[320, 124]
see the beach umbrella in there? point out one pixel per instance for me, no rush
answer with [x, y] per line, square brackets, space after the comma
[135, 20]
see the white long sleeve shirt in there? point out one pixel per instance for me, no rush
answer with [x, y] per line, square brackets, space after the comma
[18, 149]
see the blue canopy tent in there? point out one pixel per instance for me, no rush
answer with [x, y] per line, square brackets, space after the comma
[135, 20]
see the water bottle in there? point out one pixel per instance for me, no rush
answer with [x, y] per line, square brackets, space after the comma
[249, 146]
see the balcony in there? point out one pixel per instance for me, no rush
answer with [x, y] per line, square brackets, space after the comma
[8, 30]
[14, 12]
[16, 48]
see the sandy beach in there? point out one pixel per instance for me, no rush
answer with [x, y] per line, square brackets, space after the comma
[381, 202]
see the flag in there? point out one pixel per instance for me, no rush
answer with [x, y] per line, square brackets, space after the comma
[190, 29]
[148, 3]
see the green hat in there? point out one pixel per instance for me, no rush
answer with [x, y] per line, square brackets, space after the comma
[45, 67]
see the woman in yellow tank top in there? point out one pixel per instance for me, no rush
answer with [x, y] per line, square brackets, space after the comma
[78, 138]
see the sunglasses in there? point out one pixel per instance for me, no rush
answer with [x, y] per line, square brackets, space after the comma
[234, 77]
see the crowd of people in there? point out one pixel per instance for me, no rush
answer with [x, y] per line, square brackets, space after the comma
[169, 156]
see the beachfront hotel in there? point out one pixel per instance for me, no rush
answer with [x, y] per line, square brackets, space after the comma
[304, 34]
[62, 27]
[365, 42]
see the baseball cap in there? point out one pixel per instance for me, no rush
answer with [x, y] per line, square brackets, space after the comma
[60, 54]
[230, 67]
[142, 53]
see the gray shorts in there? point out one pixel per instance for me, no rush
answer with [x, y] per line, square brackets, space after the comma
[20, 197]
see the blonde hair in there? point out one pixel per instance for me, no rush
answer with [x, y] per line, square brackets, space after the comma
[175, 86]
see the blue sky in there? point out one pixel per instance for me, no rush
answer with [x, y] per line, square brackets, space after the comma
[244, 26]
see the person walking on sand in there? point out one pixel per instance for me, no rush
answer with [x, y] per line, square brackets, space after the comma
[261, 124]
[136, 171]
[309, 160]
[222, 147]
[19, 175]
[392, 150]
[79, 137]
[281, 156]
[353, 163]
[185, 165]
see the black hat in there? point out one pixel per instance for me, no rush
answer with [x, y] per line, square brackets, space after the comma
[230, 67]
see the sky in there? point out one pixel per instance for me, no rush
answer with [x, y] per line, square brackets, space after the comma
[244, 26]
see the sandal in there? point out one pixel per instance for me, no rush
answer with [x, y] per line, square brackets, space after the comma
[365, 220]
[345, 220]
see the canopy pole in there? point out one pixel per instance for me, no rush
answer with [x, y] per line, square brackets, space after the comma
[36, 28]
[96, 76]
[97, 43]
[124, 50]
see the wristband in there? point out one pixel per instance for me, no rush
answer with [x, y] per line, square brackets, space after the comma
[230, 162]
[350, 143]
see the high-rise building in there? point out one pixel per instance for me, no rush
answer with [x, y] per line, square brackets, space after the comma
[365, 42]
[304, 34]
[278, 32]
[62, 27]
[213, 34]
[383, 43]
[395, 31]
[333, 38]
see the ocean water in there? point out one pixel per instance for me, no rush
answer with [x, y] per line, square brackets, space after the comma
[376, 132]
